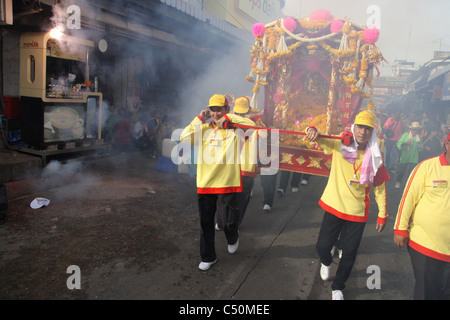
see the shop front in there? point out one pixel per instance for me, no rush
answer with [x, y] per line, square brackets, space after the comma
[60, 106]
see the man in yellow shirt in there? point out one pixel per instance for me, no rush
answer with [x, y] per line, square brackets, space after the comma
[218, 173]
[423, 222]
[346, 198]
[248, 161]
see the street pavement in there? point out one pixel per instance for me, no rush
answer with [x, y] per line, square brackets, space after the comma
[134, 233]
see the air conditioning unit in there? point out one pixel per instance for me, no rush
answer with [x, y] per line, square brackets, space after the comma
[6, 12]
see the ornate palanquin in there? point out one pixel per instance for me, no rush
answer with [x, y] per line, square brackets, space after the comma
[315, 71]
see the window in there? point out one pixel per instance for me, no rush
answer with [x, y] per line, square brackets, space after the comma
[31, 69]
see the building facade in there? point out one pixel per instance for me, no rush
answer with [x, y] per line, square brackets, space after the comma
[148, 53]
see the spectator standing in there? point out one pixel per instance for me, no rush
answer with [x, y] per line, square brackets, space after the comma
[110, 123]
[431, 145]
[140, 132]
[123, 132]
[393, 133]
[409, 146]
[408, 120]
[163, 131]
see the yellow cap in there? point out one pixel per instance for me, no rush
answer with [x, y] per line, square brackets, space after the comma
[242, 105]
[218, 100]
[365, 118]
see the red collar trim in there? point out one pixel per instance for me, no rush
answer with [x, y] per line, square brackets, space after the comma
[443, 160]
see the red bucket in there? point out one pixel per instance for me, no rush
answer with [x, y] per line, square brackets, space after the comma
[12, 107]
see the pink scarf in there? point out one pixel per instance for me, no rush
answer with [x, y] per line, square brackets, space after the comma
[372, 159]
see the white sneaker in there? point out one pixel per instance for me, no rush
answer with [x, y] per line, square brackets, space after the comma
[294, 189]
[217, 227]
[266, 207]
[337, 295]
[280, 192]
[397, 185]
[232, 248]
[325, 272]
[333, 250]
[206, 265]
[340, 253]
[304, 182]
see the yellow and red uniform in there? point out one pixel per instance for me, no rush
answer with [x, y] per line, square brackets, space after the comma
[216, 173]
[347, 200]
[249, 166]
[424, 210]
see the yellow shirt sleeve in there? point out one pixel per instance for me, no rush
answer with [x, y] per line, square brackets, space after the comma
[192, 132]
[381, 199]
[414, 190]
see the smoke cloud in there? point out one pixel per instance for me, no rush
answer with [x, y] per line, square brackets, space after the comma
[66, 180]
[223, 71]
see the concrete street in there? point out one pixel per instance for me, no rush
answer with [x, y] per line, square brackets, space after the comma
[134, 234]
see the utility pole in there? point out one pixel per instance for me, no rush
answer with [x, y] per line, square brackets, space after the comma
[409, 40]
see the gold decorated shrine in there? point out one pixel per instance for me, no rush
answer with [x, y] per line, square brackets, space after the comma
[314, 71]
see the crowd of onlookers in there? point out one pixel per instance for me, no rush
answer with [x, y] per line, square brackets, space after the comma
[144, 129]
[410, 138]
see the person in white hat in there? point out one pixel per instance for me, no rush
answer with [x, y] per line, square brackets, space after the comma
[409, 145]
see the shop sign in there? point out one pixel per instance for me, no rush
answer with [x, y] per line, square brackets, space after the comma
[395, 83]
[263, 11]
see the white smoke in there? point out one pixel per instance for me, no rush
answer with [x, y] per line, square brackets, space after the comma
[67, 180]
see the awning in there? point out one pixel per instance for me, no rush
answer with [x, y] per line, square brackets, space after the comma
[416, 85]
[439, 73]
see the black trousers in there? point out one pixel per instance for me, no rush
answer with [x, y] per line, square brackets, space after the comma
[405, 169]
[432, 277]
[269, 184]
[284, 180]
[207, 204]
[243, 198]
[350, 241]
[295, 181]
[391, 154]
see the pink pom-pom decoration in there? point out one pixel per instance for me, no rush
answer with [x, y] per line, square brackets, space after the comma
[336, 25]
[371, 35]
[321, 14]
[258, 29]
[290, 24]
[278, 97]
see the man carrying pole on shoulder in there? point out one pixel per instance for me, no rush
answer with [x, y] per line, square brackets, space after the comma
[346, 198]
[218, 173]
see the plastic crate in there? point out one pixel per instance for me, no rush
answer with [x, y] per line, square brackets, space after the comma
[166, 165]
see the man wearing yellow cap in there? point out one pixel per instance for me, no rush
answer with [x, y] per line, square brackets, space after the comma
[346, 198]
[248, 168]
[218, 173]
[268, 178]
